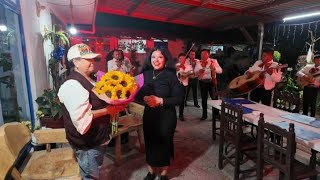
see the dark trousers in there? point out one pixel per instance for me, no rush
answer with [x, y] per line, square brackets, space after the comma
[193, 84]
[205, 88]
[181, 106]
[260, 94]
[310, 100]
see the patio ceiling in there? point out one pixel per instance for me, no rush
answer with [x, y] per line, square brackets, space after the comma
[210, 14]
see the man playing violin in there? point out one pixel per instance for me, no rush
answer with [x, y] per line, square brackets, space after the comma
[272, 76]
[206, 71]
[311, 74]
[184, 70]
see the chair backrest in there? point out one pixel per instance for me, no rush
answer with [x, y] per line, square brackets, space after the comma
[276, 146]
[136, 109]
[286, 101]
[231, 120]
[13, 138]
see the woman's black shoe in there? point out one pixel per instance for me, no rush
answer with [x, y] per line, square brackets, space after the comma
[164, 178]
[149, 176]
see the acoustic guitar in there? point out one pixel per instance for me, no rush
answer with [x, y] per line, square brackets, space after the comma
[244, 84]
[302, 81]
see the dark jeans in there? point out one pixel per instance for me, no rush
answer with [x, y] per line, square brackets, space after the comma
[90, 161]
[310, 100]
[193, 84]
[260, 94]
[205, 88]
[181, 106]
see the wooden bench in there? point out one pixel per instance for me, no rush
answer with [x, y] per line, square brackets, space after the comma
[15, 138]
[129, 123]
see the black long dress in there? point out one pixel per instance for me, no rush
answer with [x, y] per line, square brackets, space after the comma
[159, 123]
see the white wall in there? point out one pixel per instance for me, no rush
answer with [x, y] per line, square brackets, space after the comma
[37, 51]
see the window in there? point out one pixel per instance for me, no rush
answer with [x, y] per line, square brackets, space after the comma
[128, 45]
[13, 89]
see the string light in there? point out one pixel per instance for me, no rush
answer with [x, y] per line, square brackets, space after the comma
[294, 34]
[288, 32]
[301, 29]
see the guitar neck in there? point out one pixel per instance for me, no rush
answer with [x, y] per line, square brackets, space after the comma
[277, 67]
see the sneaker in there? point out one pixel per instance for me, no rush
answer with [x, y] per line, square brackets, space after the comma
[163, 178]
[149, 176]
[197, 105]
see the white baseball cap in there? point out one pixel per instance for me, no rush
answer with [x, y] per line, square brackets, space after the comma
[81, 51]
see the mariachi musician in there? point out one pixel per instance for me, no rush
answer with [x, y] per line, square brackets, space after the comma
[184, 70]
[206, 71]
[311, 75]
[263, 93]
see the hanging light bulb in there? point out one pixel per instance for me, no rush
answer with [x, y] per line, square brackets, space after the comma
[73, 30]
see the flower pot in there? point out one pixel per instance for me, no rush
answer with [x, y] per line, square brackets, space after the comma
[50, 122]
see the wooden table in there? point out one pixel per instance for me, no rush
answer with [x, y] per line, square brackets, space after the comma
[272, 115]
[129, 123]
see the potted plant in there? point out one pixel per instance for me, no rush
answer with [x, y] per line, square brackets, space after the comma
[49, 109]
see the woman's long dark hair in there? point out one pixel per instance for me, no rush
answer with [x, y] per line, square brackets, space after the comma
[170, 65]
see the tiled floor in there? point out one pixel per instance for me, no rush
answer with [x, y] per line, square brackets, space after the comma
[196, 154]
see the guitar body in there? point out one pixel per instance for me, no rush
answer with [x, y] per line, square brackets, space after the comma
[243, 84]
[302, 82]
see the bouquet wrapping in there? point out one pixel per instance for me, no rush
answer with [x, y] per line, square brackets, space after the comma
[117, 89]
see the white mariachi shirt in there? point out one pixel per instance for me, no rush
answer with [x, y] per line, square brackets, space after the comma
[207, 70]
[270, 80]
[125, 67]
[187, 69]
[307, 71]
[193, 64]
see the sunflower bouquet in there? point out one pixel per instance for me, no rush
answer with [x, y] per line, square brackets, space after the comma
[117, 88]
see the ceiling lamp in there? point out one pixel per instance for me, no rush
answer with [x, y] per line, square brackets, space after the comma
[72, 29]
[3, 26]
[301, 16]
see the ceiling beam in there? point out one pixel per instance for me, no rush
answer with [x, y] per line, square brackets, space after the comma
[268, 5]
[136, 6]
[181, 13]
[108, 10]
[208, 5]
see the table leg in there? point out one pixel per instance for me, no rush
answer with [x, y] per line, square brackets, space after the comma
[313, 161]
[214, 128]
[140, 138]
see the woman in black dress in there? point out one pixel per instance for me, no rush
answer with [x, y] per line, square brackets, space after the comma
[161, 92]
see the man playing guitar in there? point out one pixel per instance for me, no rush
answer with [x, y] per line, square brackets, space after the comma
[272, 76]
[311, 74]
[206, 71]
[184, 70]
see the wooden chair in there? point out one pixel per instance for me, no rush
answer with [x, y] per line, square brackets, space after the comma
[277, 146]
[129, 123]
[286, 101]
[231, 132]
[215, 112]
[15, 139]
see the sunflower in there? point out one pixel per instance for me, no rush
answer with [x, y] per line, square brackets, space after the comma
[116, 85]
